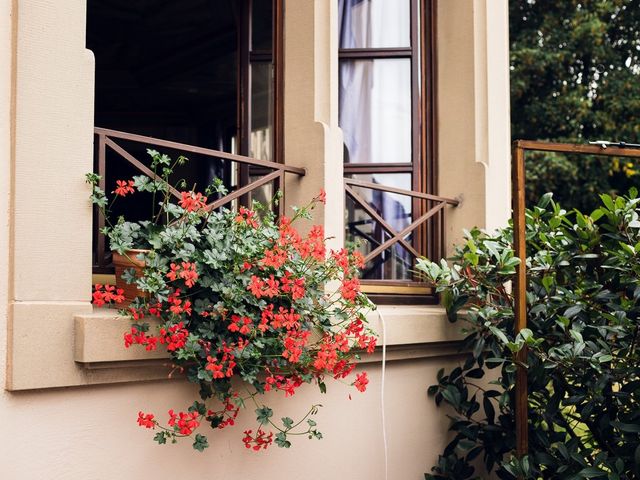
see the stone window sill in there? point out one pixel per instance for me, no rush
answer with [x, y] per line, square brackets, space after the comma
[97, 354]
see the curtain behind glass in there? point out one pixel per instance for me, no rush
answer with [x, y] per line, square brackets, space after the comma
[375, 104]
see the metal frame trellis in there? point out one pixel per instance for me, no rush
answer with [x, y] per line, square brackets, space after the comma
[519, 149]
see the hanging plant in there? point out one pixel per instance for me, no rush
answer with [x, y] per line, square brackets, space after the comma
[243, 305]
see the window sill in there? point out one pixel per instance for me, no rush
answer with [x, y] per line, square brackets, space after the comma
[89, 350]
[411, 332]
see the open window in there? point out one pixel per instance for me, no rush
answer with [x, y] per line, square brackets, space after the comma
[204, 73]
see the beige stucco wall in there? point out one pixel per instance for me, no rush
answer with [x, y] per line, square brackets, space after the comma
[89, 432]
[473, 112]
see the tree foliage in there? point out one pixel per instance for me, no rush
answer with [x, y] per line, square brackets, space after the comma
[583, 360]
[575, 76]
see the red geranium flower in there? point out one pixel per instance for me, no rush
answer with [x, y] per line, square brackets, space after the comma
[124, 187]
[361, 381]
[192, 202]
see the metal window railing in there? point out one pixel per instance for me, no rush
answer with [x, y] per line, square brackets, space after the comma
[431, 215]
[270, 172]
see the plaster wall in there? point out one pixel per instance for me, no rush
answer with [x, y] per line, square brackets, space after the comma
[473, 113]
[89, 432]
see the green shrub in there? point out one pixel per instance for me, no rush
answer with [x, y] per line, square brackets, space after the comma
[583, 363]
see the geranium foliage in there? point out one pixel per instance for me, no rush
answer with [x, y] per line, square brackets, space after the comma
[244, 306]
[583, 361]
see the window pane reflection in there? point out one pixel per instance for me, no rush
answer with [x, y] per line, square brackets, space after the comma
[261, 142]
[375, 110]
[367, 234]
[374, 23]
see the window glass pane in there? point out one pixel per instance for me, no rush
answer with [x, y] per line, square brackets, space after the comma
[261, 25]
[366, 233]
[261, 142]
[263, 194]
[375, 110]
[374, 23]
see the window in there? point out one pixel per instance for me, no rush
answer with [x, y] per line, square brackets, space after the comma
[388, 119]
[199, 72]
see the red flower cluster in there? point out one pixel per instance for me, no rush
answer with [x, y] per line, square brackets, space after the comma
[284, 318]
[103, 294]
[264, 288]
[294, 343]
[247, 217]
[346, 260]
[327, 356]
[177, 305]
[287, 384]
[322, 197]
[186, 271]
[288, 234]
[137, 337]
[227, 416]
[240, 324]
[192, 202]
[343, 369]
[154, 309]
[124, 187]
[224, 367]
[260, 441]
[275, 257]
[358, 259]
[146, 420]
[314, 244]
[184, 422]
[350, 288]
[295, 286]
[174, 337]
[361, 381]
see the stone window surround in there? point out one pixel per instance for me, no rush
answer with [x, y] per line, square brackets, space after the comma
[54, 339]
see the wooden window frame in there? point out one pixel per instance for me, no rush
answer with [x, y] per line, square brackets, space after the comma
[248, 56]
[423, 169]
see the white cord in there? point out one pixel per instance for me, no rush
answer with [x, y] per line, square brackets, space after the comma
[382, 382]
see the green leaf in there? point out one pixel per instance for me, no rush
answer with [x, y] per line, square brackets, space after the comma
[281, 440]
[597, 214]
[592, 472]
[472, 257]
[572, 311]
[627, 427]
[489, 410]
[452, 395]
[200, 442]
[501, 336]
[545, 200]
[608, 202]
[263, 415]
[287, 422]
[576, 335]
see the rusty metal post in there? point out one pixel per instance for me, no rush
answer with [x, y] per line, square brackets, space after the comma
[520, 294]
